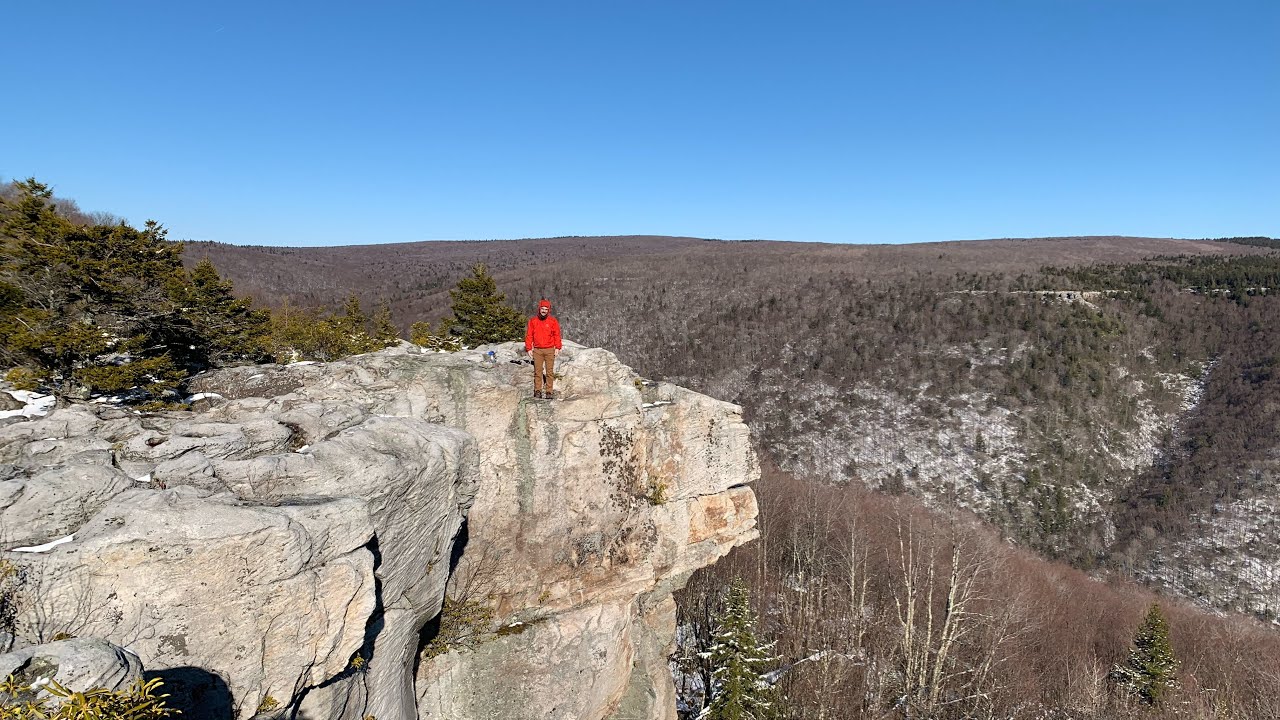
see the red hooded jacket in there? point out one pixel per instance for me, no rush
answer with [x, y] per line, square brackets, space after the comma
[542, 333]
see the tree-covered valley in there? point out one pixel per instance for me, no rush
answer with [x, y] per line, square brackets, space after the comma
[984, 462]
[1106, 401]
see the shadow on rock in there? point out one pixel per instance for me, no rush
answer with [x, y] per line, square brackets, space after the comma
[198, 693]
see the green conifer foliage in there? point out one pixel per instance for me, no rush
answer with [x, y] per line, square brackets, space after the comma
[420, 333]
[1150, 670]
[739, 690]
[108, 308]
[352, 320]
[307, 334]
[224, 328]
[311, 334]
[480, 313]
[384, 330]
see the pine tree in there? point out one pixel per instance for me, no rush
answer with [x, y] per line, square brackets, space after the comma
[107, 307]
[94, 310]
[224, 328]
[352, 320]
[739, 689]
[480, 313]
[384, 330]
[420, 333]
[1150, 670]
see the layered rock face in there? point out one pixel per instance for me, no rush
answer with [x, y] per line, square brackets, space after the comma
[210, 547]
[286, 547]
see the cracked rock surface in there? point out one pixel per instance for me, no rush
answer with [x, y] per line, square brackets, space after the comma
[292, 539]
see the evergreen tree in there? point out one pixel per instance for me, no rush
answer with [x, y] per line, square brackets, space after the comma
[480, 313]
[224, 328]
[352, 321]
[352, 328]
[420, 333]
[94, 307]
[107, 307]
[1150, 670]
[384, 330]
[739, 689]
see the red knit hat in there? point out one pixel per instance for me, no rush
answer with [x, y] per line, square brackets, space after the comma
[544, 303]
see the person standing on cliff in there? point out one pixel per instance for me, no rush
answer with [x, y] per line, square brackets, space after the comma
[542, 343]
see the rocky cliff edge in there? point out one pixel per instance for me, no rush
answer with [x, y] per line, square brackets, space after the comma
[284, 550]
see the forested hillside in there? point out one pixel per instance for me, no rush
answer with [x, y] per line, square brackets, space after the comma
[881, 609]
[1102, 400]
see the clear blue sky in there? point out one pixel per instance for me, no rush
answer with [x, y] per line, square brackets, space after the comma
[314, 123]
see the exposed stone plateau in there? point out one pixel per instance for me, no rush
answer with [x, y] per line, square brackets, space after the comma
[285, 549]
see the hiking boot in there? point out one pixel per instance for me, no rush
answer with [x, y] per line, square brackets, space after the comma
[548, 395]
[537, 394]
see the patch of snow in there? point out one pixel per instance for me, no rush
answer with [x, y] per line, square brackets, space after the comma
[304, 448]
[144, 479]
[202, 396]
[109, 400]
[259, 375]
[36, 405]
[305, 362]
[45, 547]
[773, 676]
[1230, 561]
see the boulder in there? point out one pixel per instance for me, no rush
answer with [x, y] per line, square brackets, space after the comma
[77, 664]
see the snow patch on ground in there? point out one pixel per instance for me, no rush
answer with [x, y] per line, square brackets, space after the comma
[36, 405]
[952, 448]
[203, 396]
[1232, 561]
[45, 547]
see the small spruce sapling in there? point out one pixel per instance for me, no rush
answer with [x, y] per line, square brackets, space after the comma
[1150, 671]
[384, 330]
[740, 689]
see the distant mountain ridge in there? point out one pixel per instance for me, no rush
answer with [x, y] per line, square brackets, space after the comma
[406, 274]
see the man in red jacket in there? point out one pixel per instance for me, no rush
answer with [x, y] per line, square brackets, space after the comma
[542, 343]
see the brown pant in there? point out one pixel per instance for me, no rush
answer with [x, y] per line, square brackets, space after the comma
[544, 361]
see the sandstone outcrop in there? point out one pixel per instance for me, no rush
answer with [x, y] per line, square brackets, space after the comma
[79, 665]
[289, 544]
